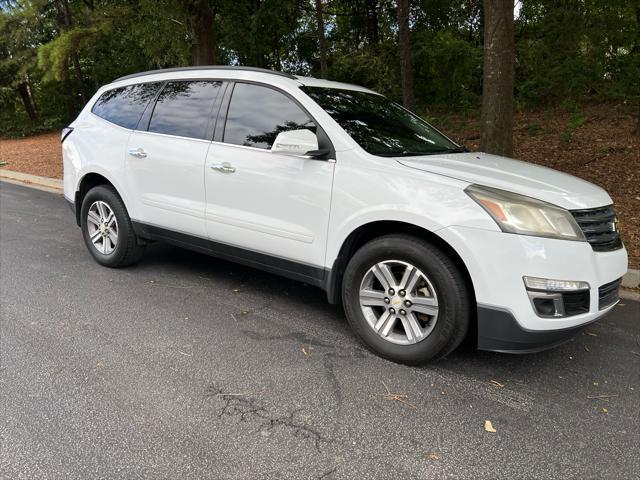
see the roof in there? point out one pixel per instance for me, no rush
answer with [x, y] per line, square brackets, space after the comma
[241, 73]
[204, 67]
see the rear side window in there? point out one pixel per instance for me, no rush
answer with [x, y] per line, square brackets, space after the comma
[185, 109]
[124, 106]
[257, 114]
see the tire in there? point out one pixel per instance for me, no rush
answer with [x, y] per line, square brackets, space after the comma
[127, 249]
[430, 334]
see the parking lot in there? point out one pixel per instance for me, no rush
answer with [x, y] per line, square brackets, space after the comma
[185, 366]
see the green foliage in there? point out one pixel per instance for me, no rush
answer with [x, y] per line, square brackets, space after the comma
[533, 129]
[575, 122]
[61, 51]
[53, 56]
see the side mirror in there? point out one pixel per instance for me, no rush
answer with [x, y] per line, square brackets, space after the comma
[296, 142]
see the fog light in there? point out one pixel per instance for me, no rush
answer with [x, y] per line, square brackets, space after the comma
[557, 298]
[549, 285]
[545, 306]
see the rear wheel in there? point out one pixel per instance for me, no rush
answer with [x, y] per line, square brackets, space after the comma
[405, 299]
[107, 229]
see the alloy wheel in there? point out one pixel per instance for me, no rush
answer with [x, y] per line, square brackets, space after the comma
[399, 302]
[102, 227]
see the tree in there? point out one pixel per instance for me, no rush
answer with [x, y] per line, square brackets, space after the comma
[496, 133]
[201, 15]
[406, 69]
[322, 41]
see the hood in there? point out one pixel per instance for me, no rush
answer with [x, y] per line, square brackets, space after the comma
[515, 176]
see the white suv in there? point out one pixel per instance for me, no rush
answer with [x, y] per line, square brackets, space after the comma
[332, 184]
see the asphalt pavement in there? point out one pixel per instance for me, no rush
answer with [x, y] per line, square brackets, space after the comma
[185, 366]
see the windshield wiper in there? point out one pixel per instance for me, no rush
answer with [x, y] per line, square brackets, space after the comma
[409, 153]
[458, 149]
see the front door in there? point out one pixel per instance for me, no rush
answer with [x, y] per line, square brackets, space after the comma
[268, 203]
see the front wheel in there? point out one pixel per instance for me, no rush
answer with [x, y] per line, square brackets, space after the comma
[405, 299]
[107, 229]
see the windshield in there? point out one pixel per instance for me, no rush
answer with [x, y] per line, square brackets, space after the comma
[380, 126]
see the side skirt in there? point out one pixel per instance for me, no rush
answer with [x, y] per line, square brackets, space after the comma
[310, 274]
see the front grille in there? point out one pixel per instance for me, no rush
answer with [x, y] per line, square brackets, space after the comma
[599, 227]
[608, 294]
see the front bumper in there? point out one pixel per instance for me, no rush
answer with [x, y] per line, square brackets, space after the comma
[498, 261]
[498, 331]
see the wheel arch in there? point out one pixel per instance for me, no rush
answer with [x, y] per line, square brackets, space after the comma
[369, 231]
[87, 182]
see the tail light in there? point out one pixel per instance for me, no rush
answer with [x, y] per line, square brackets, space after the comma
[65, 133]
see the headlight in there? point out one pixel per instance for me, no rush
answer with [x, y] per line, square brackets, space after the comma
[525, 215]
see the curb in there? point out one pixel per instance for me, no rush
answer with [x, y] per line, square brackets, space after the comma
[53, 185]
[630, 280]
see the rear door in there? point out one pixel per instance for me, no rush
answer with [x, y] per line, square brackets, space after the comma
[166, 155]
[266, 202]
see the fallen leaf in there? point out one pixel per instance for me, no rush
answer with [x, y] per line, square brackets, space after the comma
[591, 334]
[99, 365]
[497, 384]
[433, 456]
[488, 427]
[586, 349]
[306, 350]
[604, 410]
[398, 397]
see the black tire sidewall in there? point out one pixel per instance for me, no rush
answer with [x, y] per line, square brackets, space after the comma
[112, 199]
[453, 311]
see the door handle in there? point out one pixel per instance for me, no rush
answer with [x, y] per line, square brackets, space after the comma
[137, 152]
[224, 167]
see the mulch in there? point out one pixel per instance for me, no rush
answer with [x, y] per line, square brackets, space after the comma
[38, 155]
[599, 147]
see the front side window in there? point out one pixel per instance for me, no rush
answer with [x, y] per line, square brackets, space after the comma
[124, 106]
[258, 114]
[184, 108]
[380, 126]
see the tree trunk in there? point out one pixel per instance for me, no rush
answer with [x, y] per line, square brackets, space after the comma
[27, 100]
[373, 35]
[636, 51]
[406, 70]
[202, 40]
[322, 41]
[81, 86]
[496, 134]
[64, 21]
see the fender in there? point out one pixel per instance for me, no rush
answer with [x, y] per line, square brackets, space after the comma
[94, 168]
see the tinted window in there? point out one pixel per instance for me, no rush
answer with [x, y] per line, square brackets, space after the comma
[185, 108]
[257, 114]
[124, 106]
[380, 126]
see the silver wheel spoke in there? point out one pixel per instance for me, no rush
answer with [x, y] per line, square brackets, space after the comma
[101, 211]
[372, 298]
[384, 276]
[109, 219]
[409, 273]
[385, 324]
[412, 328]
[93, 218]
[95, 236]
[425, 305]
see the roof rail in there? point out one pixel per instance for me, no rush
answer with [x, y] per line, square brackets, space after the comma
[205, 67]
